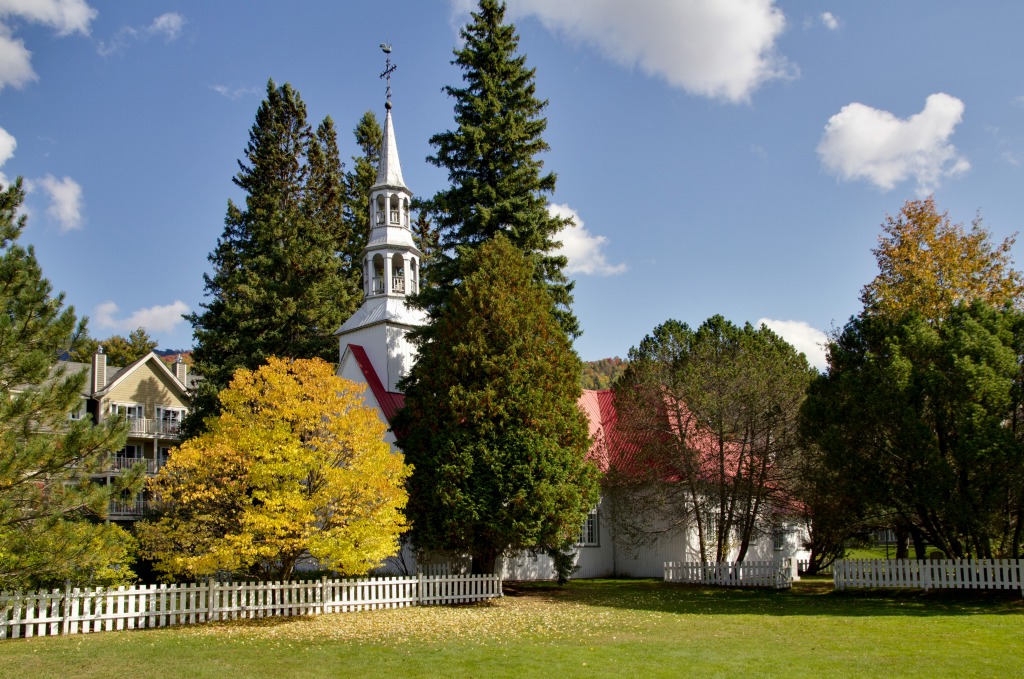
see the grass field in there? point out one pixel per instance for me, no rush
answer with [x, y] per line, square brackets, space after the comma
[587, 629]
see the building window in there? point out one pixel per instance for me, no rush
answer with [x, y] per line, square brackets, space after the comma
[779, 537]
[589, 536]
[129, 411]
[170, 419]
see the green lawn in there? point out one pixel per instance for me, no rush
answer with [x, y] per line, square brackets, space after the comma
[587, 629]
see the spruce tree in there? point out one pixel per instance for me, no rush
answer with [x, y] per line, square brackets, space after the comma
[358, 182]
[49, 506]
[280, 285]
[491, 423]
[497, 180]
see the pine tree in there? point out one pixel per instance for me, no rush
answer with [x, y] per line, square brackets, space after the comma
[280, 284]
[48, 502]
[497, 179]
[491, 423]
[358, 182]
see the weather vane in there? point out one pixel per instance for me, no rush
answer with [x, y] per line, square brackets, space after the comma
[389, 68]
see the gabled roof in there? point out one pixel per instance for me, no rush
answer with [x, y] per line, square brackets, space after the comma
[124, 372]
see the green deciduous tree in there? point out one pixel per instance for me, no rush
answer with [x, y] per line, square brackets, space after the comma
[491, 423]
[493, 164]
[282, 279]
[295, 464]
[919, 418]
[49, 508]
[715, 410]
[927, 264]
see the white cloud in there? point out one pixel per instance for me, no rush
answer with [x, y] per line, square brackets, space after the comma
[233, 92]
[809, 341]
[861, 142]
[7, 145]
[160, 318]
[829, 20]
[584, 250]
[15, 61]
[722, 49]
[67, 16]
[166, 25]
[65, 201]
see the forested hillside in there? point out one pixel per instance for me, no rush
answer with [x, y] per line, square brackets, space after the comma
[601, 374]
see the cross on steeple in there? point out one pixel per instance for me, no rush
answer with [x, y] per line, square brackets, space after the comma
[389, 68]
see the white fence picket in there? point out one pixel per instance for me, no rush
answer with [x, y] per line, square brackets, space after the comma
[74, 610]
[931, 574]
[775, 574]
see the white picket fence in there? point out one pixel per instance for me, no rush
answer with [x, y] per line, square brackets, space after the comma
[776, 574]
[931, 574]
[80, 611]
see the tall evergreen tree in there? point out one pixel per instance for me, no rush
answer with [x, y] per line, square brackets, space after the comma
[280, 285]
[497, 180]
[47, 499]
[358, 182]
[491, 424]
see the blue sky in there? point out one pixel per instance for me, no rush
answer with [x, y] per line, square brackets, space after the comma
[730, 157]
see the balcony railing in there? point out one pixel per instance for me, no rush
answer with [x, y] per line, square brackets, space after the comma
[120, 463]
[398, 284]
[140, 426]
[125, 508]
[378, 285]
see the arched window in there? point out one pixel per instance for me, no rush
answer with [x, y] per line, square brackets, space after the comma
[398, 274]
[380, 209]
[414, 280]
[378, 275]
[405, 212]
[393, 216]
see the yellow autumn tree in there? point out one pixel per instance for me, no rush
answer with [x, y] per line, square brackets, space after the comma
[295, 465]
[928, 264]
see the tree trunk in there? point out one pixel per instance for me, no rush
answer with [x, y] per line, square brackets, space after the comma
[902, 538]
[483, 563]
[920, 549]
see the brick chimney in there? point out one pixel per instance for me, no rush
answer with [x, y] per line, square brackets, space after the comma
[99, 370]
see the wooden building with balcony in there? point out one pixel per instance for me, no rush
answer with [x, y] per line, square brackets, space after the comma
[153, 398]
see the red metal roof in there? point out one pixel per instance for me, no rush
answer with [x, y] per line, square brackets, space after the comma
[609, 448]
[390, 401]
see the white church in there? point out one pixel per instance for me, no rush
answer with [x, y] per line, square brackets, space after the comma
[375, 352]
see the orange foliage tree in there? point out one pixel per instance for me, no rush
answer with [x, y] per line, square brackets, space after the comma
[928, 264]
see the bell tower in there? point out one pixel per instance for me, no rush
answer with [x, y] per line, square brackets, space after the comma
[391, 268]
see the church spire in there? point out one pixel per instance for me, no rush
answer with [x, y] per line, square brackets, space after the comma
[390, 171]
[391, 270]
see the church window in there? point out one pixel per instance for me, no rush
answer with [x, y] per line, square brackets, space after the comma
[378, 275]
[393, 217]
[589, 536]
[380, 209]
[397, 274]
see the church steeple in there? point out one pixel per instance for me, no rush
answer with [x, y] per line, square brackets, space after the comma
[391, 268]
[390, 171]
[391, 261]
